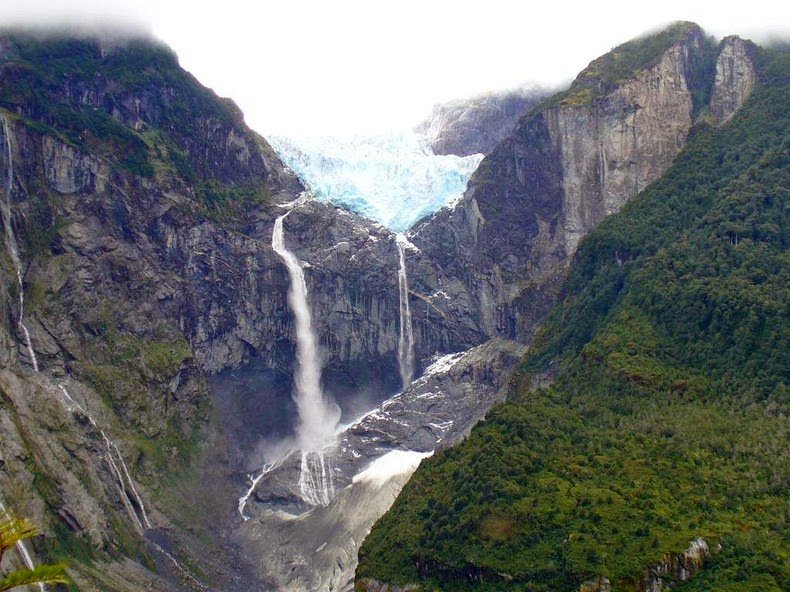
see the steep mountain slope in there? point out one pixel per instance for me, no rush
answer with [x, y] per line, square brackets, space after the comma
[117, 165]
[137, 219]
[138, 214]
[477, 124]
[575, 159]
[665, 415]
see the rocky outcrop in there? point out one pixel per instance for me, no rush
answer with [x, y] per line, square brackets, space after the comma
[578, 159]
[735, 78]
[304, 549]
[596, 585]
[476, 125]
[144, 209]
[677, 568]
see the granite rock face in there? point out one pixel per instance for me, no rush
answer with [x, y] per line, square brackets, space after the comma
[567, 166]
[735, 78]
[147, 266]
[144, 207]
[303, 548]
[677, 567]
[476, 125]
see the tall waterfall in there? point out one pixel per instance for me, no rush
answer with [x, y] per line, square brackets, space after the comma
[10, 239]
[406, 339]
[318, 417]
[13, 252]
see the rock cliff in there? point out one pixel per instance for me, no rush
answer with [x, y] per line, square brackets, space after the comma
[143, 209]
[476, 125]
[575, 160]
[302, 549]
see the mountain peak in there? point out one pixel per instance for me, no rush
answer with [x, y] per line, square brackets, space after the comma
[625, 60]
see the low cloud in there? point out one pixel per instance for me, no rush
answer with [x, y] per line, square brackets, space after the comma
[79, 17]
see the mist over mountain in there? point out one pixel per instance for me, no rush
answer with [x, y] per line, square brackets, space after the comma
[538, 343]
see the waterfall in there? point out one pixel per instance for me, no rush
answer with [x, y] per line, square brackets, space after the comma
[130, 497]
[406, 339]
[265, 470]
[317, 416]
[10, 239]
[13, 252]
[22, 550]
[315, 479]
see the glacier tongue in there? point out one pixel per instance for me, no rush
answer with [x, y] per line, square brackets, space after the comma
[394, 179]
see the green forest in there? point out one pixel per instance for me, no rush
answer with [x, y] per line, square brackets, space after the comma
[667, 416]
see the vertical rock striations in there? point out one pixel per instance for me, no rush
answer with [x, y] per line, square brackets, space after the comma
[735, 78]
[575, 160]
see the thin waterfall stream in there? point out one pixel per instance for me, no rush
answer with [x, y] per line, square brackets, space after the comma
[130, 497]
[22, 550]
[10, 239]
[13, 252]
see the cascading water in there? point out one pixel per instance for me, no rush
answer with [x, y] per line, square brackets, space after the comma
[406, 339]
[10, 239]
[13, 252]
[22, 550]
[265, 470]
[129, 496]
[318, 417]
[119, 469]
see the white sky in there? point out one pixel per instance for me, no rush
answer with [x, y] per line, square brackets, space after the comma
[341, 66]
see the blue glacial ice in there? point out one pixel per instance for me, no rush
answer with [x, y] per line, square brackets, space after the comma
[394, 179]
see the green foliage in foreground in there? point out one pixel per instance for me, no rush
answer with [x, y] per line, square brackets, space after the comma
[667, 419]
[12, 532]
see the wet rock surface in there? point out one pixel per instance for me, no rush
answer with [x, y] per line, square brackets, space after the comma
[147, 269]
[314, 548]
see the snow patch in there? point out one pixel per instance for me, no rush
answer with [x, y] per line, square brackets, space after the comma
[392, 464]
[443, 364]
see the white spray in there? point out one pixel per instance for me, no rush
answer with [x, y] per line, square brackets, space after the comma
[10, 239]
[406, 339]
[318, 416]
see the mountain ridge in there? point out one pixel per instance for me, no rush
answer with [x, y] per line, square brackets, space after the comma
[144, 210]
[618, 446]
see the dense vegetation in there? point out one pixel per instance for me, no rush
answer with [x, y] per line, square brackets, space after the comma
[667, 416]
[603, 74]
[129, 102]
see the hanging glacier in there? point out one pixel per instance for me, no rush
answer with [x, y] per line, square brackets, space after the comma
[394, 179]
